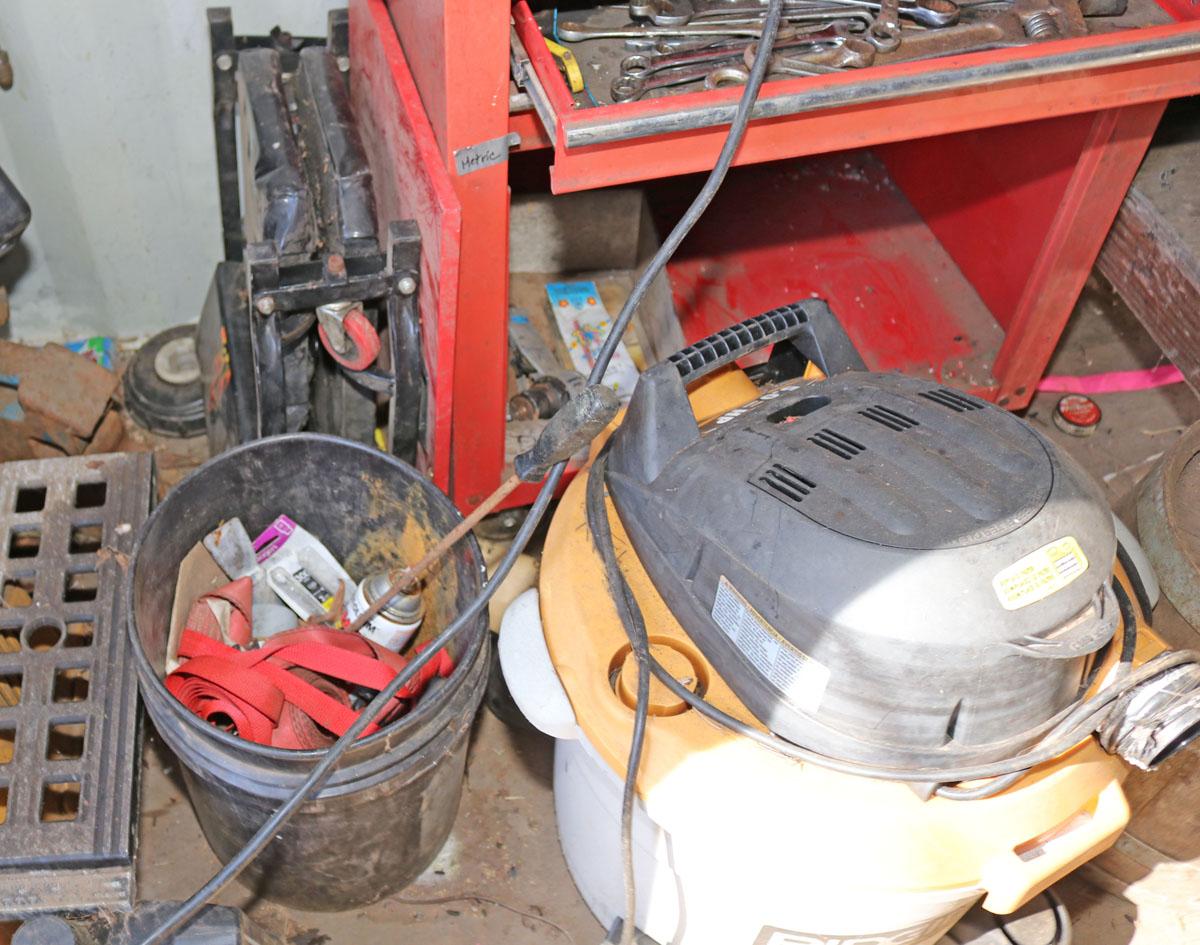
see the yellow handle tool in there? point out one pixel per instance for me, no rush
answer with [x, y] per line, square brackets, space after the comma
[570, 65]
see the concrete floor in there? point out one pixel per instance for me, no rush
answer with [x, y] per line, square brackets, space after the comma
[504, 848]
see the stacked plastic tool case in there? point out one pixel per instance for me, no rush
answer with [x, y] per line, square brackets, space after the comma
[310, 320]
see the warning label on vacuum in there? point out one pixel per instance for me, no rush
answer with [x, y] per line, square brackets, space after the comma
[1040, 573]
[797, 675]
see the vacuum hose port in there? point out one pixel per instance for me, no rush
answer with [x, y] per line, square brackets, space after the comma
[1155, 720]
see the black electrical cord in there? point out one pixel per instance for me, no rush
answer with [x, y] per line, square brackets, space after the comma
[1139, 586]
[1063, 931]
[640, 646]
[733, 140]
[322, 769]
[1128, 622]
[618, 589]
[1124, 668]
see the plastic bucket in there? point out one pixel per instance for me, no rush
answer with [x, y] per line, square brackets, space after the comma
[388, 808]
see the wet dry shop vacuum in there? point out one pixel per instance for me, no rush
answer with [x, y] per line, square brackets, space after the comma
[900, 657]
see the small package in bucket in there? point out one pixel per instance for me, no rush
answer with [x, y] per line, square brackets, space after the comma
[255, 654]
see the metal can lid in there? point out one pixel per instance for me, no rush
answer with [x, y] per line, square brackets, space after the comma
[403, 608]
[1077, 414]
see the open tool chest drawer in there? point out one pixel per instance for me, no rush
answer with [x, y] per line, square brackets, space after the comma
[681, 133]
[954, 215]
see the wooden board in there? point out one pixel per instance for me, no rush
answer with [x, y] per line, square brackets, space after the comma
[1152, 255]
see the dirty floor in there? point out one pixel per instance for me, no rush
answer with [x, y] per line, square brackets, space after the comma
[501, 879]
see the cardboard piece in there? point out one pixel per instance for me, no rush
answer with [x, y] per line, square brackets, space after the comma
[199, 574]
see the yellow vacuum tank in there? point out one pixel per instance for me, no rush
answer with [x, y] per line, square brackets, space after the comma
[737, 843]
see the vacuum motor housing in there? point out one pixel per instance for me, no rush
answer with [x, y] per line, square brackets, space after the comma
[882, 568]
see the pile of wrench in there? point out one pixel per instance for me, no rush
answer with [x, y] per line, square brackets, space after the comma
[673, 44]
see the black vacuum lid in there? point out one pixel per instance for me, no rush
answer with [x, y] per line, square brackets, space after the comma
[881, 567]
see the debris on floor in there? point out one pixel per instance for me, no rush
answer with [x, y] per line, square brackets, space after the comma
[55, 402]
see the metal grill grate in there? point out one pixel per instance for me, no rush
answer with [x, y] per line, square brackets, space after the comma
[68, 693]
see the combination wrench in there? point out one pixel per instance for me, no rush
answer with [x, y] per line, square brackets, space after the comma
[643, 64]
[932, 14]
[575, 32]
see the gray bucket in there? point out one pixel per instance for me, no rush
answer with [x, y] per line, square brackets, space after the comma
[389, 806]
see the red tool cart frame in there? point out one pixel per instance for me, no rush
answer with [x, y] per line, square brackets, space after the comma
[956, 245]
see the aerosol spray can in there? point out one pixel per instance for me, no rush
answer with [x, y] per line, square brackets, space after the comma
[393, 626]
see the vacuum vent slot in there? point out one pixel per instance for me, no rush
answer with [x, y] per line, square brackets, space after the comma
[786, 483]
[952, 400]
[837, 444]
[889, 418]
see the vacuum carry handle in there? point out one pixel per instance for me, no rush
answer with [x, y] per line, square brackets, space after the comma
[660, 422]
[815, 331]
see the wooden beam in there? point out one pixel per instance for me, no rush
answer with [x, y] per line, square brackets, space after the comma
[1152, 254]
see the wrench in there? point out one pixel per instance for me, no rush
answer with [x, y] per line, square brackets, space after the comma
[645, 65]
[932, 14]
[853, 52]
[627, 88]
[574, 32]
[726, 76]
[663, 46]
[814, 12]
[885, 31]
[679, 12]
[928, 13]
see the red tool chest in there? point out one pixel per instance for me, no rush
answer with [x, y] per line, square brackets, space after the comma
[948, 209]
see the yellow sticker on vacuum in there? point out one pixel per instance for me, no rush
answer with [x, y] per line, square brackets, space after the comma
[1040, 573]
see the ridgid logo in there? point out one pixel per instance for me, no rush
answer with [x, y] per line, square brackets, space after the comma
[924, 932]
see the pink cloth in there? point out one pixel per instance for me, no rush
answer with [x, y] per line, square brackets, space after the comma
[1112, 382]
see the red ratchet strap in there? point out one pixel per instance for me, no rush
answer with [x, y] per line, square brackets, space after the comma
[282, 694]
[224, 614]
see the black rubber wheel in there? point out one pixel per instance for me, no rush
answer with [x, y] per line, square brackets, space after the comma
[498, 698]
[163, 389]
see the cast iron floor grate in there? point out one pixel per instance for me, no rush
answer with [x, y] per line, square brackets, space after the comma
[68, 692]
